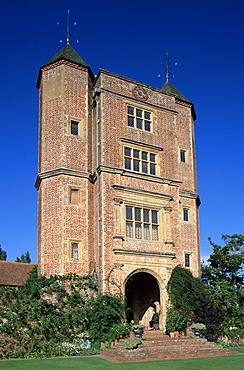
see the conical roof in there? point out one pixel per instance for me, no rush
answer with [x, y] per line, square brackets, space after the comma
[171, 90]
[69, 54]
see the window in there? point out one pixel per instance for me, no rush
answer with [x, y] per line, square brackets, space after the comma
[74, 250]
[183, 155]
[74, 196]
[141, 223]
[185, 214]
[140, 160]
[74, 127]
[139, 118]
[187, 260]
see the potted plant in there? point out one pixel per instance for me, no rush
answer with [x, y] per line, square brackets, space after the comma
[137, 329]
[176, 321]
[124, 329]
[198, 329]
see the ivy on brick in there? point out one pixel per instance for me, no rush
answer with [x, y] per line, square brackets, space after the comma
[49, 311]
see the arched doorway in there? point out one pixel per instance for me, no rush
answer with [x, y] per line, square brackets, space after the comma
[141, 291]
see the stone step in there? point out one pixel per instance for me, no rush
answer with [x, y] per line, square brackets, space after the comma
[160, 348]
[169, 343]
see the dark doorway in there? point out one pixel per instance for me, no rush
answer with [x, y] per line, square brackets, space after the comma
[141, 292]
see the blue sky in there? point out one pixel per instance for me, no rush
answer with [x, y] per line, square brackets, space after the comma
[128, 37]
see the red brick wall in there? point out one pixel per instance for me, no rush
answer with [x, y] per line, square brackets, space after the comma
[65, 92]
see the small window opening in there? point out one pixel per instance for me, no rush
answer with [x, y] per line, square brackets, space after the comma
[74, 128]
[186, 214]
[183, 156]
[74, 196]
[187, 260]
[74, 251]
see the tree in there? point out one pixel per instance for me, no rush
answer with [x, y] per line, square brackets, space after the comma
[189, 294]
[3, 255]
[25, 258]
[223, 277]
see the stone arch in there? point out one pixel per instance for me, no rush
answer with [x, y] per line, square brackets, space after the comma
[143, 288]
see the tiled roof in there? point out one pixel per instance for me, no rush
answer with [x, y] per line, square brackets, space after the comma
[14, 273]
[171, 90]
[69, 54]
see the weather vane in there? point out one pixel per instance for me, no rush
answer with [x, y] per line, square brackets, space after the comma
[167, 68]
[67, 30]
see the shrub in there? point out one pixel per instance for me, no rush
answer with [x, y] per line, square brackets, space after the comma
[176, 320]
[55, 310]
[189, 294]
[8, 346]
[133, 343]
[117, 330]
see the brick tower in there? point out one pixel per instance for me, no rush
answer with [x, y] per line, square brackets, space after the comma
[117, 189]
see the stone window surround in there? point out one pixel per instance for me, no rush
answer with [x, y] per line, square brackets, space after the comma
[146, 122]
[79, 123]
[140, 227]
[142, 147]
[75, 248]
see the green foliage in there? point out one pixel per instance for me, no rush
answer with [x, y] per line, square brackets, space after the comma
[189, 294]
[224, 277]
[133, 343]
[197, 326]
[3, 255]
[176, 320]
[8, 345]
[183, 289]
[102, 313]
[25, 258]
[117, 330]
[61, 309]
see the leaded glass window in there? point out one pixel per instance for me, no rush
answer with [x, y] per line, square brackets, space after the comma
[142, 223]
[139, 118]
[140, 161]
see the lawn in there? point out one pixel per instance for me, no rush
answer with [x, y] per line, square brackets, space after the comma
[238, 349]
[90, 363]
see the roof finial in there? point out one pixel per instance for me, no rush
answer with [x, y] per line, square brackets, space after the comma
[167, 67]
[67, 30]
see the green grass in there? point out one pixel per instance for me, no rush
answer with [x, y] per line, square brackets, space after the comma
[90, 363]
[238, 349]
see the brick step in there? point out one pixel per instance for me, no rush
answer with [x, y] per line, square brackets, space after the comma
[169, 343]
[146, 357]
[172, 349]
[174, 342]
[133, 355]
[165, 349]
[148, 334]
[155, 347]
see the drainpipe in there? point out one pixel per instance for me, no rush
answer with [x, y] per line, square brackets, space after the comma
[96, 94]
